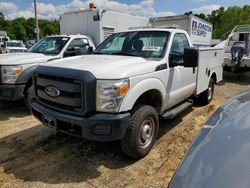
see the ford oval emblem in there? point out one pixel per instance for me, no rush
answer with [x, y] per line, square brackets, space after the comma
[52, 91]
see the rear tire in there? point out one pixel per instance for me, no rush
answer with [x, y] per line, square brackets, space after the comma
[206, 96]
[141, 133]
[28, 95]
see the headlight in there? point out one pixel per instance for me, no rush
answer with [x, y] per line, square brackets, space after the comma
[109, 94]
[10, 74]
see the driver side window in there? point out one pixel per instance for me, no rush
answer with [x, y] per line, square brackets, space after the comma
[78, 46]
[180, 42]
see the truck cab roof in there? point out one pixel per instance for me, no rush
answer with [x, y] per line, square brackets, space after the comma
[70, 36]
[158, 29]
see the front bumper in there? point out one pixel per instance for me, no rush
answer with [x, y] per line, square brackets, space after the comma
[99, 127]
[11, 92]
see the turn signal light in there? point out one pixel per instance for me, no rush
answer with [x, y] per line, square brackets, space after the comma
[17, 71]
[123, 90]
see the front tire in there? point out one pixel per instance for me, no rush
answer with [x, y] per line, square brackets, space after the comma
[141, 133]
[206, 96]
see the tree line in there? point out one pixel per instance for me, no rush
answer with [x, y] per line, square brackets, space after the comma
[223, 20]
[23, 29]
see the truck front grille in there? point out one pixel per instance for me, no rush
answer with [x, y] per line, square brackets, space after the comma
[70, 99]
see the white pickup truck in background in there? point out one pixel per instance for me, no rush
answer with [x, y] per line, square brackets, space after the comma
[130, 81]
[13, 46]
[16, 69]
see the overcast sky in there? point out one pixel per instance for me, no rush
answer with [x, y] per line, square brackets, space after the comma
[50, 9]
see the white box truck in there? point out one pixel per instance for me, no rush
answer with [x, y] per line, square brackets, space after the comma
[98, 24]
[199, 30]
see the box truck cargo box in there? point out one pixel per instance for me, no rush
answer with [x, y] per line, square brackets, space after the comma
[198, 29]
[98, 24]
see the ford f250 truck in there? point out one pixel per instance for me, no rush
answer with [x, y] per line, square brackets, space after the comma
[16, 69]
[121, 90]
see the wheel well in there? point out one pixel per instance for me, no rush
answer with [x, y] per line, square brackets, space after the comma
[152, 98]
[27, 85]
[214, 77]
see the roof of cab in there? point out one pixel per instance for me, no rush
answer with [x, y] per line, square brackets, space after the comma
[70, 36]
[155, 29]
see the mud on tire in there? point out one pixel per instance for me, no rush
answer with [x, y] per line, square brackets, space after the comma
[141, 133]
[206, 96]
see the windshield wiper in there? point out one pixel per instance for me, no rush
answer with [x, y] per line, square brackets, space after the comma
[97, 53]
[117, 53]
[36, 52]
[125, 54]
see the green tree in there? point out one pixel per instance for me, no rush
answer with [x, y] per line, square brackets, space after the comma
[202, 16]
[225, 20]
[30, 28]
[23, 29]
[19, 30]
[3, 22]
[188, 13]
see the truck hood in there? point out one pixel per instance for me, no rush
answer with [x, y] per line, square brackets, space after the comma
[23, 58]
[108, 66]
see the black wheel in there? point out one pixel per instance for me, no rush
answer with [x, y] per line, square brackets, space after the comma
[141, 133]
[206, 96]
[28, 95]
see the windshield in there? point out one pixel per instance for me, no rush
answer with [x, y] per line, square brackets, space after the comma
[147, 44]
[49, 45]
[14, 44]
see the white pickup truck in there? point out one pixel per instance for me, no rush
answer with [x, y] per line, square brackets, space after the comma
[130, 81]
[16, 69]
[14, 46]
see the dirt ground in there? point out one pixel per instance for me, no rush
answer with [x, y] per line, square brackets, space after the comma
[32, 155]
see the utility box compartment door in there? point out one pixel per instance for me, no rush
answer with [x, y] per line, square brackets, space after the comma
[210, 61]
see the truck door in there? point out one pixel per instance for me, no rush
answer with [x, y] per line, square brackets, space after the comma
[182, 80]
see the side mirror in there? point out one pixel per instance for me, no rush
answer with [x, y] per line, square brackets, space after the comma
[5, 39]
[175, 59]
[191, 57]
[72, 52]
[90, 50]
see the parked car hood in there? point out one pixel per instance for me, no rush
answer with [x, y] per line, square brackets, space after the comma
[23, 58]
[219, 156]
[108, 66]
